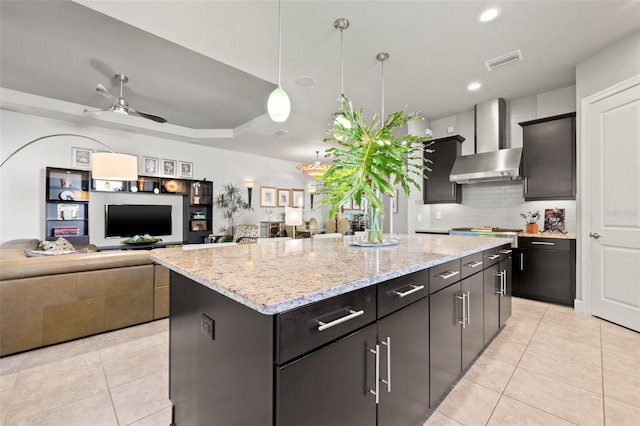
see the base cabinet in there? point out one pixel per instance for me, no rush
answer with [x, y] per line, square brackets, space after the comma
[546, 270]
[473, 330]
[337, 376]
[491, 302]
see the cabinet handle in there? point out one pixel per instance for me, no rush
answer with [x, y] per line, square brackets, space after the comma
[387, 382]
[352, 314]
[473, 264]
[498, 291]
[542, 243]
[506, 251]
[469, 307]
[448, 274]
[414, 288]
[493, 256]
[521, 261]
[526, 185]
[453, 190]
[463, 297]
[376, 392]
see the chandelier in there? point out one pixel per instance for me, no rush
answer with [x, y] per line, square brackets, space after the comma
[316, 169]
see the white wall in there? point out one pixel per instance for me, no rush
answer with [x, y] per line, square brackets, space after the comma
[497, 204]
[22, 179]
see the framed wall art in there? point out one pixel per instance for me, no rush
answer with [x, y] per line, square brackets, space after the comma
[149, 166]
[283, 198]
[297, 197]
[268, 196]
[169, 168]
[81, 158]
[185, 169]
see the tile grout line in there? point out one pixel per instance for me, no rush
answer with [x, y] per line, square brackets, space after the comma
[106, 379]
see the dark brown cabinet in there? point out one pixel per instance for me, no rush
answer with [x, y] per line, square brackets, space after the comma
[199, 217]
[436, 186]
[67, 205]
[547, 269]
[549, 158]
[498, 289]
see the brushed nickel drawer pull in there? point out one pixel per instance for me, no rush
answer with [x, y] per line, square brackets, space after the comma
[507, 251]
[376, 392]
[352, 314]
[493, 256]
[542, 243]
[473, 264]
[414, 288]
[448, 274]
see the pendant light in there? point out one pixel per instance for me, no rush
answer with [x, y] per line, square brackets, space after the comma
[342, 24]
[279, 105]
[316, 169]
[381, 57]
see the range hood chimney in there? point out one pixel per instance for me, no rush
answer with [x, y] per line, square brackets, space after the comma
[491, 162]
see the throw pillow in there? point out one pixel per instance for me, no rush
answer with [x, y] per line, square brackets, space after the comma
[43, 253]
[57, 245]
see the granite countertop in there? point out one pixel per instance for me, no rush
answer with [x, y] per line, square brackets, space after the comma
[548, 235]
[279, 276]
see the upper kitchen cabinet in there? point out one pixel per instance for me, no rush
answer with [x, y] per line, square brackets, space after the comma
[436, 187]
[549, 158]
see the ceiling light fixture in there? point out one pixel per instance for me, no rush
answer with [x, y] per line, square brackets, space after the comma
[489, 14]
[342, 24]
[316, 169]
[474, 86]
[279, 105]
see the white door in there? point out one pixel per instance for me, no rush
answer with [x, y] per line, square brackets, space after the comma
[611, 128]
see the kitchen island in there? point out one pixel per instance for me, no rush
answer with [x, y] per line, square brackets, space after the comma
[315, 331]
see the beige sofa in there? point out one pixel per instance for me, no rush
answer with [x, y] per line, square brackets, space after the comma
[52, 299]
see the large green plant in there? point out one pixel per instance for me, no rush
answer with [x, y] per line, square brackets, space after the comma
[231, 203]
[370, 161]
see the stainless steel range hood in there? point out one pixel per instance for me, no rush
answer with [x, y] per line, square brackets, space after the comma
[491, 162]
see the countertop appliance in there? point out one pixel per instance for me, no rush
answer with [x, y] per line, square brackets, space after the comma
[488, 231]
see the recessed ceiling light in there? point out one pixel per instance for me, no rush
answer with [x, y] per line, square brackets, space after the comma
[489, 14]
[474, 86]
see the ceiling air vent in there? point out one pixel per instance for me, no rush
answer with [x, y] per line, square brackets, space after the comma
[503, 60]
[279, 132]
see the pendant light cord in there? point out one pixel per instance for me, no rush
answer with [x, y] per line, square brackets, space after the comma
[341, 63]
[279, 42]
[381, 57]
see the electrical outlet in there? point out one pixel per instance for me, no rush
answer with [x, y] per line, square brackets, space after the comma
[419, 218]
[438, 215]
[207, 327]
[450, 129]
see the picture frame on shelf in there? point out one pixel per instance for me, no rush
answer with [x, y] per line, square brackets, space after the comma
[198, 225]
[185, 169]
[268, 196]
[109, 185]
[81, 157]
[284, 199]
[169, 167]
[149, 166]
[297, 197]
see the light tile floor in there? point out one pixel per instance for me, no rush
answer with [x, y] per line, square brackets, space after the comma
[549, 366]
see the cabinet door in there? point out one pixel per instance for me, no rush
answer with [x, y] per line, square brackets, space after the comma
[549, 158]
[491, 302]
[505, 299]
[473, 331]
[445, 312]
[437, 188]
[545, 274]
[331, 385]
[404, 338]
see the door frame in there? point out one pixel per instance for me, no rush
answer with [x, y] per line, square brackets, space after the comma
[584, 244]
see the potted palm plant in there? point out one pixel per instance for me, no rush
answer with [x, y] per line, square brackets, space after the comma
[369, 161]
[231, 203]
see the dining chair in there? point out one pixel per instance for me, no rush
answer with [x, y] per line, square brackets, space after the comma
[331, 226]
[343, 226]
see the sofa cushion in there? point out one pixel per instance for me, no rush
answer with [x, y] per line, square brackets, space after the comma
[40, 253]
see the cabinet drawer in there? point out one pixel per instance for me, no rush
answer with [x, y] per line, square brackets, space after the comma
[444, 275]
[471, 264]
[545, 243]
[300, 330]
[399, 292]
[491, 256]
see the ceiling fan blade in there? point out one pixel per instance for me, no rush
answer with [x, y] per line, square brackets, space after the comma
[97, 111]
[103, 91]
[148, 116]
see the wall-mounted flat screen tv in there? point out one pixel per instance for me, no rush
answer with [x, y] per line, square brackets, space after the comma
[128, 220]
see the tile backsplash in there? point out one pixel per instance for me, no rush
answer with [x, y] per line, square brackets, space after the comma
[492, 204]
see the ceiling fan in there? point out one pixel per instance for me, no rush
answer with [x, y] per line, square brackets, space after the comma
[120, 105]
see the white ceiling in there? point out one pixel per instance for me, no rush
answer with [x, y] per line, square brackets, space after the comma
[208, 66]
